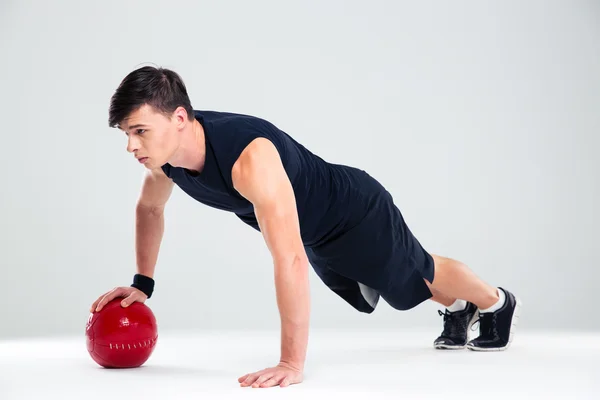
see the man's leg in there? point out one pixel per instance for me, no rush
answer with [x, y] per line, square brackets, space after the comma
[455, 280]
[439, 297]
[459, 317]
[498, 308]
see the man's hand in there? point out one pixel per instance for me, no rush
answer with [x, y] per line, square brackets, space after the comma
[282, 375]
[130, 295]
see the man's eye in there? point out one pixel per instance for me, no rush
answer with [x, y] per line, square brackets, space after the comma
[140, 131]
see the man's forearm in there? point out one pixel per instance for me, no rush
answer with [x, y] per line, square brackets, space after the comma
[293, 300]
[149, 228]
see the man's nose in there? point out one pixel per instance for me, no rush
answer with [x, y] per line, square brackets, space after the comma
[132, 144]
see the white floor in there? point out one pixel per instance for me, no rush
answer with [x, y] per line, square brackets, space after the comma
[394, 365]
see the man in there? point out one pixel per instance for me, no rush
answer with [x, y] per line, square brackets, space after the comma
[336, 218]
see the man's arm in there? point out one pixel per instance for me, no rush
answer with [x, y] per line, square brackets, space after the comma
[149, 226]
[259, 176]
[149, 219]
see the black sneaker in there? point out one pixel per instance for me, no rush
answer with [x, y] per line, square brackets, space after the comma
[497, 328]
[456, 328]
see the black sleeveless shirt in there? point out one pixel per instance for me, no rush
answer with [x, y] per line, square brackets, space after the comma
[330, 198]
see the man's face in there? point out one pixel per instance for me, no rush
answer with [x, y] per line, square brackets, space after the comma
[152, 137]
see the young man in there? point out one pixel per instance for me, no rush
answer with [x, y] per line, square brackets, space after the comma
[335, 218]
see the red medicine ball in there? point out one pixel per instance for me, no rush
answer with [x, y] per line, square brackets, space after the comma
[121, 337]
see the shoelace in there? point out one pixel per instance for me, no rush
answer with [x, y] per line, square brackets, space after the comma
[487, 324]
[452, 324]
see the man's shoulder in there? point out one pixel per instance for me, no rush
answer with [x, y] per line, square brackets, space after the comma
[227, 117]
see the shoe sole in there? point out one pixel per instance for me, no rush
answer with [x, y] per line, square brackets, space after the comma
[513, 327]
[459, 347]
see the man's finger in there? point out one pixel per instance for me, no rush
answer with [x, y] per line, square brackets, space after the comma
[95, 304]
[249, 379]
[274, 380]
[108, 297]
[105, 299]
[133, 297]
[98, 300]
[264, 377]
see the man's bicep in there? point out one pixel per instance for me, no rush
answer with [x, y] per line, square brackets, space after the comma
[156, 190]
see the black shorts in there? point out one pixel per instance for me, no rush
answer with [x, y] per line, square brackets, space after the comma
[377, 257]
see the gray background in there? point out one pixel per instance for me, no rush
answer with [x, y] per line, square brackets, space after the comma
[480, 117]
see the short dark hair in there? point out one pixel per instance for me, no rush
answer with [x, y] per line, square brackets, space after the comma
[161, 88]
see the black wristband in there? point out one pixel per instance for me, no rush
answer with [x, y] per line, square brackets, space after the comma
[144, 284]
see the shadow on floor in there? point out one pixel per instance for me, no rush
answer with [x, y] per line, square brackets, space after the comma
[170, 370]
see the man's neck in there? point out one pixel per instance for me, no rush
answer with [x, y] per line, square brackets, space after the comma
[193, 149]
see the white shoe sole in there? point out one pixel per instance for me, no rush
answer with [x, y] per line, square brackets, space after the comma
[513, 327]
